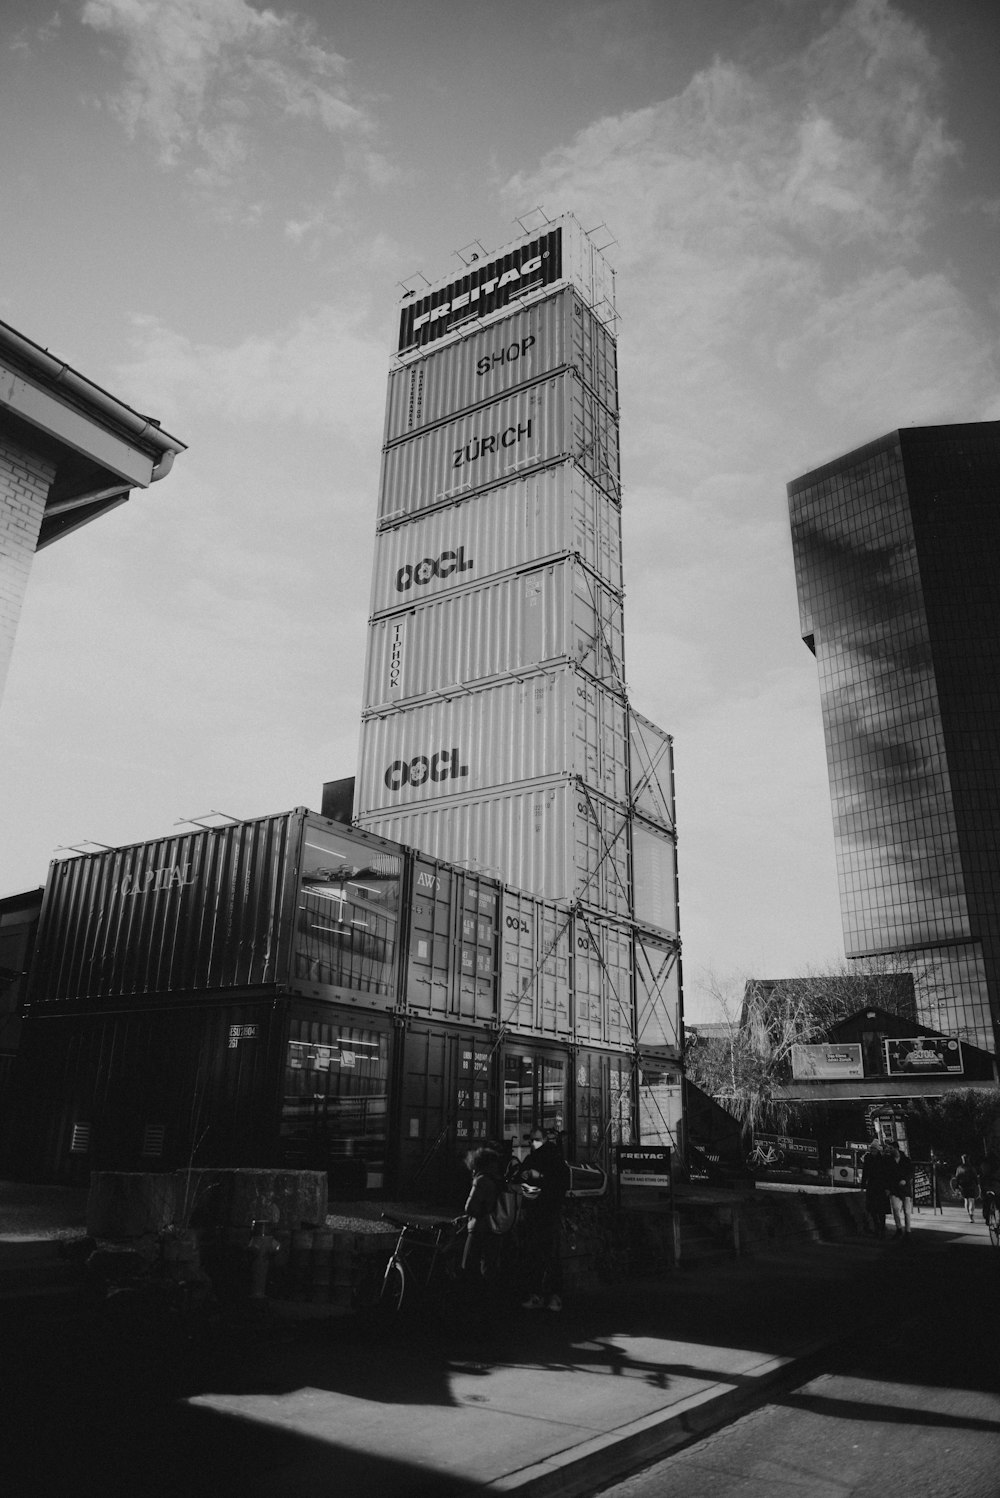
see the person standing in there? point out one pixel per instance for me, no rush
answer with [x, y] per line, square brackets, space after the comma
[876, 1187]
[544, 1178]
[966, 1181]
[900, 1189]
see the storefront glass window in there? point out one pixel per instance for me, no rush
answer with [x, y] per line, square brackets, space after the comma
[348, 911]
[335, 1105]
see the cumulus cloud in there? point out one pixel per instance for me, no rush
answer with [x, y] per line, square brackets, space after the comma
[780, 215]
[202, 75]
[322, 370]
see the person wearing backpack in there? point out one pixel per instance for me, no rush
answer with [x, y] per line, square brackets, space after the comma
[481, 1252]
[544, 1179]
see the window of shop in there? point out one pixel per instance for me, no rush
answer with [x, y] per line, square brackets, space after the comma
[335, 1106]
[535, 1093]
[348, 912]
[603, 1105]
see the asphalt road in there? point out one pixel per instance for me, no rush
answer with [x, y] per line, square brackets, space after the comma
[911, 1405]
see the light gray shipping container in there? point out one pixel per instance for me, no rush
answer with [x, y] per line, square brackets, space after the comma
[546, 725]
[654, 876]
[602, 982]
[487, 362]
[535, 939]
[548, 514]
[552, 615]
[651, 771]
[556, 420]
[552, 839]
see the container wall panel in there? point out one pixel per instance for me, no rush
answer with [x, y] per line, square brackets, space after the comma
[517, 274]
[448, 1104]
[557, 420]
[487, 362]
[654, 874]
[149, 1089]
[515, 731]
[657, 994]
[602, 982]
[452, 961]
[651, 754]
[548, 616]
[551, 841]
[552, 513]
[535, 966]
[206, 909]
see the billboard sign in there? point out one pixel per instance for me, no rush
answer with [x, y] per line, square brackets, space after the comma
[482, 290]
[826, 1063]
[923, 1055]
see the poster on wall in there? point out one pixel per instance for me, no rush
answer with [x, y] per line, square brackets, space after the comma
[826, 1063]
[923, 1055]
[644, 1179]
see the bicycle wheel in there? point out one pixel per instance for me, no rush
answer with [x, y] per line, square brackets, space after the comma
[994, 1223]
[393, 1290]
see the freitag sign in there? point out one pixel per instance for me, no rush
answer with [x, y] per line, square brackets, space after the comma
[481, 291]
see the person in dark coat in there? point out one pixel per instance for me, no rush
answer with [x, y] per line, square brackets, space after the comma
[481, 1250]
[874, 1179]
[544, 1178]
[966, 1182]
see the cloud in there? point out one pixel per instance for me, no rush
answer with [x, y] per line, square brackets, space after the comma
[203, 75]
[773, 223]
[324, 369]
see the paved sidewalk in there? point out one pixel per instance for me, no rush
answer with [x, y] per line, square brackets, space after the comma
[546, 1404]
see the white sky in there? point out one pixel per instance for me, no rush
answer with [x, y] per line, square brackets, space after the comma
[207, 207]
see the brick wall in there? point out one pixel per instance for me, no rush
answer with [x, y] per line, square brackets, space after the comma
[24, 484]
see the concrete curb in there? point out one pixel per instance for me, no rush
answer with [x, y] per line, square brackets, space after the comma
[614, 1456]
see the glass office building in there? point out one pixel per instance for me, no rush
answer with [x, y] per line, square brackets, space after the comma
[897, 561]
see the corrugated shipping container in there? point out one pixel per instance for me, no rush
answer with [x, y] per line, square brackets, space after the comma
[202, 910]
[532, 266]
[654, 875]
[657, 994]
[452, 959]
[552, 513]
[651, 755]
[550, 616]
[448, 1104]
[602, 982]
[553, 840]
[535, 942]
[560, 332]
[556, 420]
[149, 1089]
[559, 723]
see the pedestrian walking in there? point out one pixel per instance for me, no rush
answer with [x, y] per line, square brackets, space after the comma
[966, 1182]
[544, 1179]
[874, 1179]
[900, 1189]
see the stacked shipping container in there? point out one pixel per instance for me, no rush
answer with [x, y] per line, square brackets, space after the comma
[294, 991]
[290, 991]
[496, 729]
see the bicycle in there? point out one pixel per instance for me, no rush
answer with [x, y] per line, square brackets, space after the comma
[991, 1212]
[426, 1258]
[764, 1155]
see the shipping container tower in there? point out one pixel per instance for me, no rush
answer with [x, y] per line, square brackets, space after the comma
[496, 728]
